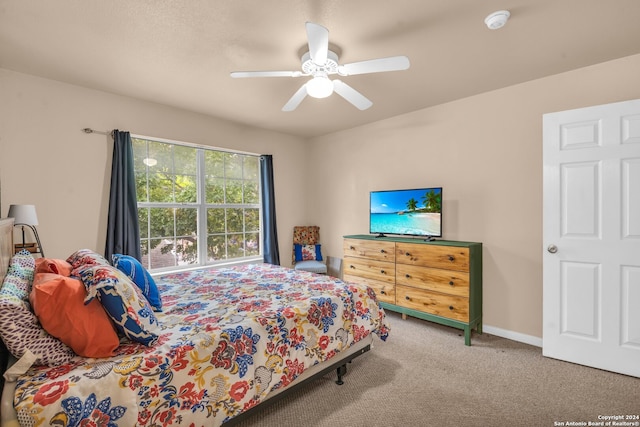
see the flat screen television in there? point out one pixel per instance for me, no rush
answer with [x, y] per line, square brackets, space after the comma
[415, 212]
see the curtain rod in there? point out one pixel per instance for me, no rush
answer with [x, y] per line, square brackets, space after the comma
[89, 130]
[208, 147]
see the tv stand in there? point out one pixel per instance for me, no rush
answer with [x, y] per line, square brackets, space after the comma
[429, 239]
[380, 235]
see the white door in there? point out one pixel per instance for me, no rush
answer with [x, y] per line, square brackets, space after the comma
[591, 236]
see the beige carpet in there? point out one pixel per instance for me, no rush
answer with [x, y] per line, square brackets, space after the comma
[424, 375]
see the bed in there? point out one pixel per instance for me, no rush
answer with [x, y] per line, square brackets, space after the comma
[228, 341]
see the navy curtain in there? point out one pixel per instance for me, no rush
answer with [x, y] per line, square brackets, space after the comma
[123, 235]
[269, 231]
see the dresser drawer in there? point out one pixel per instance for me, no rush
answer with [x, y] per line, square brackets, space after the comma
[371, 249]
[445, 257]
[385, 292]
[449, 306]
[382, 271]
[433, 279]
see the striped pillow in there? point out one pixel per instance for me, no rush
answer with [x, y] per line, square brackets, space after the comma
[19, 327]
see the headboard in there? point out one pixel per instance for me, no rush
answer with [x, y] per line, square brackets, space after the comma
[6, 252]
[6, 245]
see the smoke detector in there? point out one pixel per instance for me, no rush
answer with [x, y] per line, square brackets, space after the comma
[497, 19]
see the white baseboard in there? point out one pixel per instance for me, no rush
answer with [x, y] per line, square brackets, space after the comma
[514, 336]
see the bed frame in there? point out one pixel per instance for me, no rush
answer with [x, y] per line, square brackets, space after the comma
[8, 416]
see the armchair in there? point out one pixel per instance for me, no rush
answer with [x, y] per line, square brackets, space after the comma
[307, 253]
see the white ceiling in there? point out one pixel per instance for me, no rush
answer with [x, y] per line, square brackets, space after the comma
[180, 53]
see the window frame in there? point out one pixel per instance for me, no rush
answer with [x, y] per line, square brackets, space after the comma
[202, 208]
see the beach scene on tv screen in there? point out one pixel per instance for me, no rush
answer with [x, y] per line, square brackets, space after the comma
[416, 212]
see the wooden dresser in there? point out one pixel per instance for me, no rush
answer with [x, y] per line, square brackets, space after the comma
[439, 281]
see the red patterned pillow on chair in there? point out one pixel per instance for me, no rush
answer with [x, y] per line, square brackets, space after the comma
[307, 253]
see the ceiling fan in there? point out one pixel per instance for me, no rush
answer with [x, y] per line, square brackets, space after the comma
[320, 62]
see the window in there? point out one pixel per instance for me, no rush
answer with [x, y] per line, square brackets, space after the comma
[196, 206]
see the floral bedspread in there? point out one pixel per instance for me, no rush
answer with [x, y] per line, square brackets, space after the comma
[229, 337]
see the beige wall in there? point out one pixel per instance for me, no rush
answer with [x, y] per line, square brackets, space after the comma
[46, 160]
[486, 153]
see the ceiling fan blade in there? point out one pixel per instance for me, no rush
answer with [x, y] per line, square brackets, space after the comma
[351, 95]
[242, 74]
[296, 99]
[392, 63]
[318, 38]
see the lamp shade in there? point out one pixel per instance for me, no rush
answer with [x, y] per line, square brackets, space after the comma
[23, 214]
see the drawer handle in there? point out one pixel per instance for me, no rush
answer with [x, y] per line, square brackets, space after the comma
[407, 254]
[382, 251]
[407, 275]
[450, 307]
[408, 298]
[383, 292]
[451, 258]
[352, 248]
[383, 272]
[352, 266]
[451, 283]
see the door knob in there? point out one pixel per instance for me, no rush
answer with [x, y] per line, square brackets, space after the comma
[552, 249]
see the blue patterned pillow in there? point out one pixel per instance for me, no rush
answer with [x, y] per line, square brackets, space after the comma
[84, 257]
[140, 276]
[123, 301]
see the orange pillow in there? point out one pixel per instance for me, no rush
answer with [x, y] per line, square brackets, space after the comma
[58, 301]
[51, 265]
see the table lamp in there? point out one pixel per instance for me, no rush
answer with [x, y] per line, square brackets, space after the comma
[25, 216]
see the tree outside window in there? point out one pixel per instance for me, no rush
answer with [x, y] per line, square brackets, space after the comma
[177, 185]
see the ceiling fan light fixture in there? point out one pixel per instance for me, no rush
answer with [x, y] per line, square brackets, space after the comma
[319, 87]
[497, 19]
